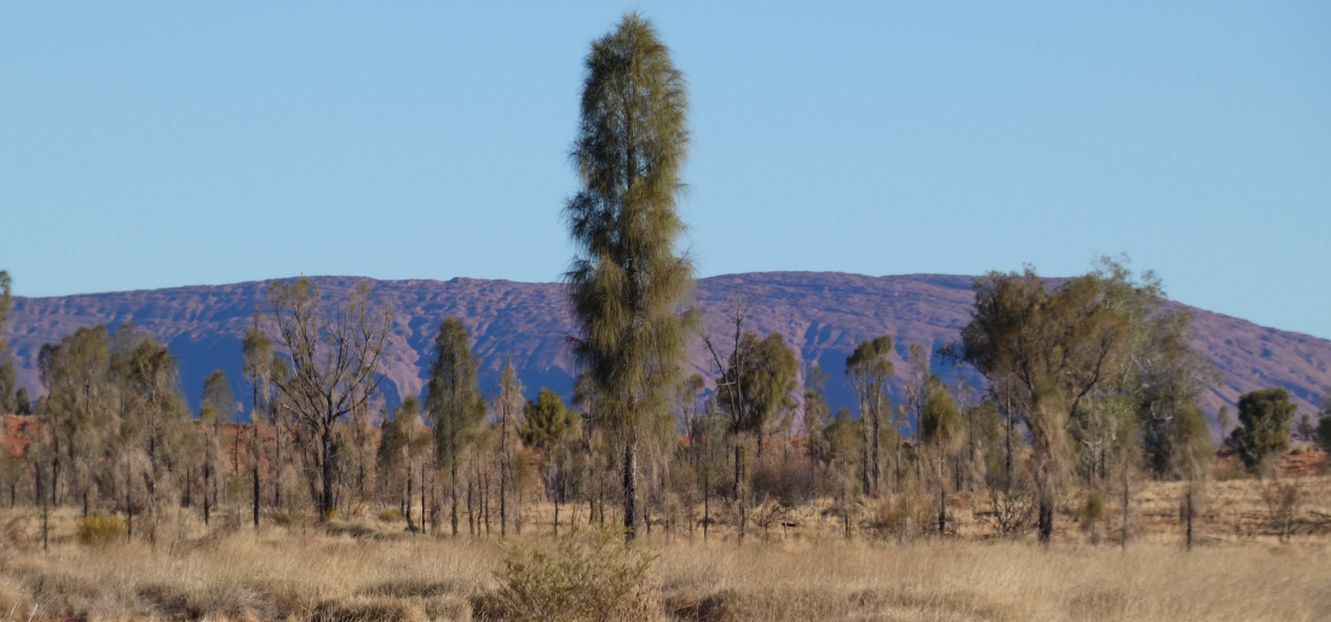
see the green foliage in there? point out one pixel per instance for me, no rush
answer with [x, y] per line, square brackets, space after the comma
[626, 279]
[758, 383]
[940, 423]
[869, 367]
[22, 402]
[1091, 513]
[588, 576]
[1322, 433]
[453, 401]
[1265, 417]
[219, 403]
[548, 422]
[1192, 451]
[1045, 350]
[397, 435]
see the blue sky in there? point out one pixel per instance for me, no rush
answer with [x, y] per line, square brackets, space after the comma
[149, 145]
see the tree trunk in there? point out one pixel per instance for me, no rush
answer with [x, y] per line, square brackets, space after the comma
[877, 465]
[845, 515]
[630, 489]
[471, 514]
[706, 506]
[277, 465]
[453, 488]
[503, 469]
[257, 487]
[207, 478]
[1187, 514]
[1126, 500]
[1046, 518]
[409, 501]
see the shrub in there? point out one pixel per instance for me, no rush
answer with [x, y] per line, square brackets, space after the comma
[1091, 514]
[588, 576]
[101, 529]
[391, 515]
[901, 516]
[1282, 500]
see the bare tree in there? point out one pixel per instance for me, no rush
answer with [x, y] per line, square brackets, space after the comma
[335, 350]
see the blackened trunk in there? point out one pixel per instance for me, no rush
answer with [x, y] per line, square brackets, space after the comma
[706, 506]
[326, 498]
[409, 501]
[255, 472]
[453, 488]
[1187, 515]
[630, 489]
[1046, 519]
[207, 498]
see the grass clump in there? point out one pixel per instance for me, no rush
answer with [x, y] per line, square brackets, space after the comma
[101, 529]
[588, 576]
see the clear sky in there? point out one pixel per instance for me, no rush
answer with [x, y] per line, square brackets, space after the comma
[155, 144]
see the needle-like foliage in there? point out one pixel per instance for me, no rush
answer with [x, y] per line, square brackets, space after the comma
[627, 281]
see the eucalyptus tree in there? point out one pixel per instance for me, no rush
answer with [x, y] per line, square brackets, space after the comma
[80, 407]
[217, 408]
[1045, 349]
[333, 351]
[453, 401]
[508, 406]
[154, 423]
[9, 399]
[257, 353]
[941, 427]
[869, 367]
[627, 281]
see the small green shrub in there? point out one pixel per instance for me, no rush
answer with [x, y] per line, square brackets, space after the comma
[101, 529]
[589, 576]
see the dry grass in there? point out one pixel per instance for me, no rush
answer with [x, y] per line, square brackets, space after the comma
[368, 570]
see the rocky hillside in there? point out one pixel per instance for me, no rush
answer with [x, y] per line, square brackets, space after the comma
[822, 315]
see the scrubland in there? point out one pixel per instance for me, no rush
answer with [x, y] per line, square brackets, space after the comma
[368, 568]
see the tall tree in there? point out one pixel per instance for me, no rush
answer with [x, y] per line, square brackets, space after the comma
[869, 368]
[508, 406]
[80, 402]
[257, 352]
[154, 424]
[334, 351]
[217, 408]
[454, 401]
[627, 282]
[940, 428]
[8, 378]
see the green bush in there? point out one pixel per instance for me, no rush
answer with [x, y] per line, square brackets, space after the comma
[101, 529]
[588, 576]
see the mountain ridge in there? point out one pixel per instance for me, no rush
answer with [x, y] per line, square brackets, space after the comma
[822, 315]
